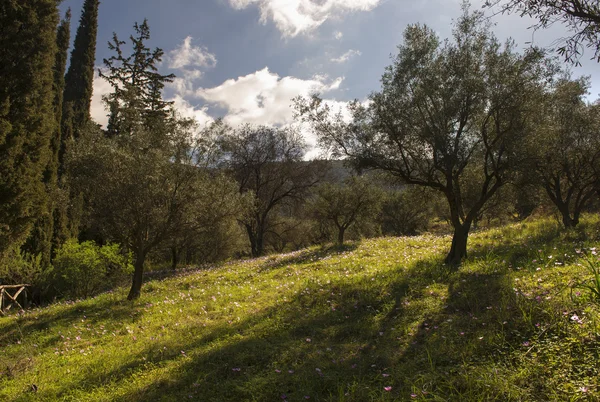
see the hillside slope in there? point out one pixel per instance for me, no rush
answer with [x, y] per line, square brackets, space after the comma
[377, 320]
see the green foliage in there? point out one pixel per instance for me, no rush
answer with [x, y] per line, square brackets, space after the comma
[267, 162]
[565, 148]
[406, 211]
[45, 236]
[592, 284]
[28, 43]
[355, 202]
[84, 269]
[581, 19]
[79, 79]
[450, 116]
[20, 267]
[136, 99]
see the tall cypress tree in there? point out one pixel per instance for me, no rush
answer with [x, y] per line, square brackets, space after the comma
[28, 43]
[44, 233]
[76, 106]
[80, 76]
[63, 38]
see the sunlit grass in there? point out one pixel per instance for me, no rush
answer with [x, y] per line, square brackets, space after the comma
[373, 321]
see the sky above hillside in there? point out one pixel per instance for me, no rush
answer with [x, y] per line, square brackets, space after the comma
[245, 59]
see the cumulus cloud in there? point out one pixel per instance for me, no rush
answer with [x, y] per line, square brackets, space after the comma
[338, 35]
[264, 97]
[293, 17]
[187, 55]
[346, 56]
[187, 110]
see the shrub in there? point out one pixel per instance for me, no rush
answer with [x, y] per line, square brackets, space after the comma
[19, 267]
[84, 269]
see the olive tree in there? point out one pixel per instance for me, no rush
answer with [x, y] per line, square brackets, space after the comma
[347, 203]
[445, 109]
[567, 149]
[267, 162]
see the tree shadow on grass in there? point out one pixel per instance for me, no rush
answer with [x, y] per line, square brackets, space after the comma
[421, 325]
[109, 308]
[306, 256]
[334, 338]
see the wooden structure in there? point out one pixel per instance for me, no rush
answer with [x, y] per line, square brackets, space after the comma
[10, 293]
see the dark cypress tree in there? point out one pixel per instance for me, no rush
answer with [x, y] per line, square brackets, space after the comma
[28, 43]
[80, 76]
[76, 108]
[44, 234]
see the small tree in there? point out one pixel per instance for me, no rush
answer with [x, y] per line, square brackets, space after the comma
[268, 162]
[347, 204]
[445, 110]
[567, 149]
[139, 180]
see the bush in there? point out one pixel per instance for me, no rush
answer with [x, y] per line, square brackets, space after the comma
[19, 267]
[84, 269]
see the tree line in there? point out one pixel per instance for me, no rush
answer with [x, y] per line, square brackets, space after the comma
[463, 131]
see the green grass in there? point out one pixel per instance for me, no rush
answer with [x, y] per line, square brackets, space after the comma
[331, 324]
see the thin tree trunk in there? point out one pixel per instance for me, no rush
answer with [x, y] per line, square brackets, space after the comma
[138, 276]
[341, 232]
[174, 257]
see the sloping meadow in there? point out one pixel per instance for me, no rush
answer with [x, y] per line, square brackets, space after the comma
[378, 320]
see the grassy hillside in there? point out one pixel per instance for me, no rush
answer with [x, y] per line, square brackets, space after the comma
[376, 321]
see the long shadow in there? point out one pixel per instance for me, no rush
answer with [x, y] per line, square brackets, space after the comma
[339, 340]
[306, 255]
[314, 329]
[108, 309]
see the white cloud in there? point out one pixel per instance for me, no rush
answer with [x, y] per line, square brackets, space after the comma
[338, 35]
[293, 17]
[187, 55]
[187, 110]
[264, 97]
[346, 56]
[100, 87]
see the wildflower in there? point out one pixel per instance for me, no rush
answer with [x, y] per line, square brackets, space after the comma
[277, 371]
[388, 389]
[385, 375]
[583, 389]
[236, 369]
[413, 395]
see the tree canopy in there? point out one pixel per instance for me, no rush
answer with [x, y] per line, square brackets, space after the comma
[450, 116]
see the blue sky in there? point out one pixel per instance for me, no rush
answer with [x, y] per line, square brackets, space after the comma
[245, 59]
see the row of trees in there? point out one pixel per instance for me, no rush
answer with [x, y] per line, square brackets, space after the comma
[467, 116]
[467, 123]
